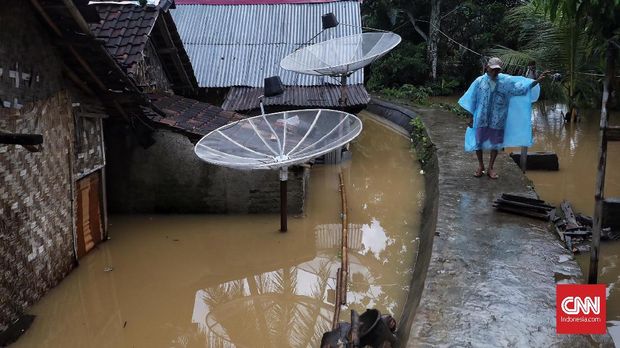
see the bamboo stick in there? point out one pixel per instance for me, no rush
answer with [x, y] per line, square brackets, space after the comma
[345, 241]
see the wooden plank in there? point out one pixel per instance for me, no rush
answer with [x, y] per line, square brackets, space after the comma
[534, 207]
[95, 208]
[569, 215]
[21, 139]
[522, 212]
[511, 197]
[602, 164]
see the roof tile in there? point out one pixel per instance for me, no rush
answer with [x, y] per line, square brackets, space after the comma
[125, 30]
[190, 115]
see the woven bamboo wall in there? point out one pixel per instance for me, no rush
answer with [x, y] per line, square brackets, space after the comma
[36, 233]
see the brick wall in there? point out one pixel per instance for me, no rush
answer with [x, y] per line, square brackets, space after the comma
[36, 222]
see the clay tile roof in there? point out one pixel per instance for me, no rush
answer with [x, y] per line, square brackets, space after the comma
[190, 115]
[125, 30]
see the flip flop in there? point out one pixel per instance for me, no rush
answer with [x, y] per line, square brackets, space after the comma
[479, 173]
[493, 176]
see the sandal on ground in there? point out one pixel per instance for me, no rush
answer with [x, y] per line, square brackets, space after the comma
[492, 174]
[479, 173]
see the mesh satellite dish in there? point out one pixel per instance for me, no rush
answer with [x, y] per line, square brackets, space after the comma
[341, 56]
[278, 140]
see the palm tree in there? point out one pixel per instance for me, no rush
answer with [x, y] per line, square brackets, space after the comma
[558, 43]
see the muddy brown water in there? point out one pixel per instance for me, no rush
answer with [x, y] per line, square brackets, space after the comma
[577, 148]
[234, 281]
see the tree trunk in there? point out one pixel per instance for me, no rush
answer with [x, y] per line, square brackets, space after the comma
[433, 37]
[572, 68]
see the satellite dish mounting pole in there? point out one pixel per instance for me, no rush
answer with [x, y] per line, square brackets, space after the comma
[283, 202]
[260, 102]
[343, 91]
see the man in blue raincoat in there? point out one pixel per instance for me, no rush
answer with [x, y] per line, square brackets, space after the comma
[501, 106]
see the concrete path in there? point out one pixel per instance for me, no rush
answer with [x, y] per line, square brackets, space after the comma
[492, 276]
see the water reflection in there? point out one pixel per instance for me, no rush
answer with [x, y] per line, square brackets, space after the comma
[577, 148]
[285, 308]
[235, 281]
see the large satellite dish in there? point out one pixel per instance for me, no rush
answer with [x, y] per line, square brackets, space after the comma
[341, 56]
[278, 140]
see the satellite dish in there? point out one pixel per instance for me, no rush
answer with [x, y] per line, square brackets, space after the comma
[341, 56]
[278, 140]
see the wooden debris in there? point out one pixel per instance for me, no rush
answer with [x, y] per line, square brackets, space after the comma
[524, 206]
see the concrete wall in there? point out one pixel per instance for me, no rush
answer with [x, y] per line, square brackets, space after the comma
[169, 178]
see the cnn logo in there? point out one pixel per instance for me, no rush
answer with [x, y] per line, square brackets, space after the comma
[576, 305]
[580, 309]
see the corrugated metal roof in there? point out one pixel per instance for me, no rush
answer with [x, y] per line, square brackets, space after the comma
[246, 98]
[240, 45]
[247, 2]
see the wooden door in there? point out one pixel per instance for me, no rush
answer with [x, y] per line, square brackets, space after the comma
[88, 222]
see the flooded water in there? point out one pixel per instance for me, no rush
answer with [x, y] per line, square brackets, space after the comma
[235, 281]
[577, 148]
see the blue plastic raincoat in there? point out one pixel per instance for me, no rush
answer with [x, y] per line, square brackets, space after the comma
[502, 113]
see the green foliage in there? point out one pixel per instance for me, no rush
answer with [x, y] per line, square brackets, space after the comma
[405, 64]
[410, 93]
[477, 24]
[443, 87]
[556, 45]
[422, 144]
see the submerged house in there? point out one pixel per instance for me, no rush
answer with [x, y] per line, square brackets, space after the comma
[57, 86]
[152, 166]
[92, 96]
[233, 45]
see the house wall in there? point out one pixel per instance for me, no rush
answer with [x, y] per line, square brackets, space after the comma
[36, 222]
[36, 188]
[149, 73]
[169, 178]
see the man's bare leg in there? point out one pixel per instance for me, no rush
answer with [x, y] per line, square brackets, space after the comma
[491, 173]
[480, 170]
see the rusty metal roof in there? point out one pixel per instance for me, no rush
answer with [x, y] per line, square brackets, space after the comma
[189, 115]
[246, 98]
[240, 45]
